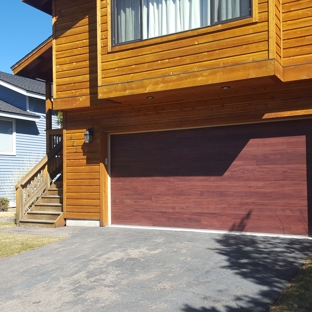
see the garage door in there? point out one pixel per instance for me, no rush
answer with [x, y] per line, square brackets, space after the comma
[249, 178]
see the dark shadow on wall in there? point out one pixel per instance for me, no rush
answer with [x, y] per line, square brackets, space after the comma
[26, 127]
[193, 152]
[268, 262]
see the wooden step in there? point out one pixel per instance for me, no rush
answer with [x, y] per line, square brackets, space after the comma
[50, 199]
[56, 207]
[54, 191]
[42, 215]
[57, 184]
[37, 223]
[47, 212]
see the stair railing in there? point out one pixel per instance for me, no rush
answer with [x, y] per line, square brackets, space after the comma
[33, 185]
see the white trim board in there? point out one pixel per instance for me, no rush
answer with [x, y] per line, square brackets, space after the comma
[22, 91]
[157, 228]
[21, 117]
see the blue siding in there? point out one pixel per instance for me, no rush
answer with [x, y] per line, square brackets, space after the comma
[30, 147]
[13, 98]
[35, 105]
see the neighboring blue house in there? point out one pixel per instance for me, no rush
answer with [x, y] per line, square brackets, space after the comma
[22, 129]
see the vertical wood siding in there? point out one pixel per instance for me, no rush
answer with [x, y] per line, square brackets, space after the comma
[297, 32]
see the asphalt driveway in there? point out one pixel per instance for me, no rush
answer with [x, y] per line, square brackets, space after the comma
[118, 269]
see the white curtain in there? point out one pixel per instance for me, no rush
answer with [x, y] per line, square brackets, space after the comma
[127, 20]
[163, 17]
[223, 10]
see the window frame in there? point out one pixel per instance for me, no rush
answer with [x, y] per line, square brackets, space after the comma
[13, 152]
[224, 25]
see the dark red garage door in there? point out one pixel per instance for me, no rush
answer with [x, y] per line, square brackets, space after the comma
[240, 178]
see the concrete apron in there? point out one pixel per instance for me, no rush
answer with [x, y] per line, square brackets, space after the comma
[129, 269]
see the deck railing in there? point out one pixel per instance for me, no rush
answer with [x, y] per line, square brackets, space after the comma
[34, 184]
[54, 136]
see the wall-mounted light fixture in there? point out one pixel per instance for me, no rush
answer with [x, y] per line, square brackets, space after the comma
[88, 135]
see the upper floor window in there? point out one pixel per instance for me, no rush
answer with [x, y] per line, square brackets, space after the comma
[135, 20]
[7, 137]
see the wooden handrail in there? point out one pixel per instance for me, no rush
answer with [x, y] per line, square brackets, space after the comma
[53, 137]
[33, 185]
[55, 131]
[41, 163]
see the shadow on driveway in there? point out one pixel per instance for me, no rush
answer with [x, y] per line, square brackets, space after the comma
[124, 269]
[265, 261]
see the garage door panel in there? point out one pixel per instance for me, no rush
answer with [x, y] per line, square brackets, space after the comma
[242, 178]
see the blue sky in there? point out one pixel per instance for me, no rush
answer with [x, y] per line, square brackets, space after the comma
[22, 28]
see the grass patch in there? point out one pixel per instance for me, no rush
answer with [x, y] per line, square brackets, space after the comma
[297, 296]
[6, 225]
[13, 244]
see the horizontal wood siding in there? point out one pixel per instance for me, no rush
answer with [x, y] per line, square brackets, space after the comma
[235, 108]
[75, 36]
[241, 178]
[83, 161]
[82, 174]
[123, 69]
[297, 32]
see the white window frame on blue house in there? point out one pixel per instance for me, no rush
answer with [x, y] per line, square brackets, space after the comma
[12, 142]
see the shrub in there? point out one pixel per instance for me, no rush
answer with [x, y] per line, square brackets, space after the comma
[4, 204]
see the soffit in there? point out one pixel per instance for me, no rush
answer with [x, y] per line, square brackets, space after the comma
[42, 5]
[37, 64]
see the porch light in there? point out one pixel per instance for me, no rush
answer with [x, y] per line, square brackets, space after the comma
[88, 135]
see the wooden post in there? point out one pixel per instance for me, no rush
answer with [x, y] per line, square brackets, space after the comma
[104, 176]
[64, 172]
[48, 110]
[19, 204]
[46, 177]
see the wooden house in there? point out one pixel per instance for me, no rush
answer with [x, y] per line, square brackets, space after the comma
[201, 114]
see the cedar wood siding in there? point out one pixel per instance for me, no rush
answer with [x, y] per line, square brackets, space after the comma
[85, 71]
[297, 39]
[297, 32]
[84, 170]
[75, 48]
[192, 58]
[75, 74]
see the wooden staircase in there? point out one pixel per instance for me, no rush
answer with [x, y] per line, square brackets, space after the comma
[47, 211]
[39, 195]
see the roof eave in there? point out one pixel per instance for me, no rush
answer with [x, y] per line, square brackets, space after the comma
[19, 116]
[42, 5]
[37, 64]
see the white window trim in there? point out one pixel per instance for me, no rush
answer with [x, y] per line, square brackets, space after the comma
[13, 153]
